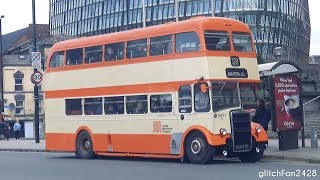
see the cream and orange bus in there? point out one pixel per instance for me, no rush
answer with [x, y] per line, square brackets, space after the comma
[167, 91]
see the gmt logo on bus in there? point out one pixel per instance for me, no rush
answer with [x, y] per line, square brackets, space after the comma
[236, 73]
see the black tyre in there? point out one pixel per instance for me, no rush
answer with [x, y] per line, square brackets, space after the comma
[252, 156]
[84, 146]
[197, 149]
[2, 136]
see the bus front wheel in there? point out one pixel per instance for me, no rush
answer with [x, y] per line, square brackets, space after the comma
[197, 148]
[84, 146]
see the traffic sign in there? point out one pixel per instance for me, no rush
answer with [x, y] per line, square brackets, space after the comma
[36, 60]
[36, 77]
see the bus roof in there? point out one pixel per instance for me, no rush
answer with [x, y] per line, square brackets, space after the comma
[193, 24]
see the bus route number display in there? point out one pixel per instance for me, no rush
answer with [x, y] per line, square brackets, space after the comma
[236, 73]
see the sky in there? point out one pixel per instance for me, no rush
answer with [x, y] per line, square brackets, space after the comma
[18, 15]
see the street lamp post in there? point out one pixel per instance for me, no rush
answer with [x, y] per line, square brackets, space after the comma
[1, 69]
[278, 51]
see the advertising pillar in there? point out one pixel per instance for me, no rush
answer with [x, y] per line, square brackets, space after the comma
[287, 109]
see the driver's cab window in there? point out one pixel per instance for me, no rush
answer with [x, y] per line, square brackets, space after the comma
[201, 98]
[185, 100]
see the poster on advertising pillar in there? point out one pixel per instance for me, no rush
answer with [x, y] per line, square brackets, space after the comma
[288, 105]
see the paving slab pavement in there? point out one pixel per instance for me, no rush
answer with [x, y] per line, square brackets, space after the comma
[306, 154]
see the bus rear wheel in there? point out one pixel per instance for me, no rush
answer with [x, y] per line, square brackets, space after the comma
[197, 149]
[84, 146]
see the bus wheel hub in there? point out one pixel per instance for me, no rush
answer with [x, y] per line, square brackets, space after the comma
[195, 146]
[87, 144]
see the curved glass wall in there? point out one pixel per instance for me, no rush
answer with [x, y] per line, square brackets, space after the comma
[274, 23]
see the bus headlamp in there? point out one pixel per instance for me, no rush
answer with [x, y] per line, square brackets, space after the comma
[258, 129]
[223, 131]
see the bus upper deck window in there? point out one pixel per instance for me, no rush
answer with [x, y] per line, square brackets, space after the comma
[187, 42]
[57, 59]
[217, 40]
[114, 51]
[93, 54]
[242, 42]
[137, 48]
[74, 57]
[160, 45]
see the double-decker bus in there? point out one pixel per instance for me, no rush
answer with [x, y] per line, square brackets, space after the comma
[166, 91]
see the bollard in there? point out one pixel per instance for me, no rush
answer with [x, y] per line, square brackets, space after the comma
[314, 137]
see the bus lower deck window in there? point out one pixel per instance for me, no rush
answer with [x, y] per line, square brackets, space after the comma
[93, 106]
[161, 103]
[114, 105]
[137, 104]
[73, 107]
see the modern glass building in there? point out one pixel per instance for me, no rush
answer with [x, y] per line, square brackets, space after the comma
[274, 23]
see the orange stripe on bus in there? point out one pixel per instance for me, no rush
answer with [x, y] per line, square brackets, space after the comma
[133, 143]
[124, 143]
[128, 89]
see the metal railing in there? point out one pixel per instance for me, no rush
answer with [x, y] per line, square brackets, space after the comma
[304, 119]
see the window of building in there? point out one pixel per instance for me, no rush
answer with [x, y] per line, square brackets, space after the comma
[19, 107]
[57, 60]
[73, 107]
[137, 48]
[74, 56]
[217, 40]
[161, 45]
[242, 42]
[114, 51]
[93, 54]
[114, 105]
[137, 104]
[187, 42]
[18, 84]
[185, 100]
[161, 103]
[201, 99]
[93, 106]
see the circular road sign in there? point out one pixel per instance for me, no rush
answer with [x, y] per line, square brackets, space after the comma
[36, 77]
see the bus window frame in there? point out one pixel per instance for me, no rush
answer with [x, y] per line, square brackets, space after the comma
[242, 32]
[200, 45]
[82, 60]
[160, 112]
[85, 53]
[63, 62]
[218, 31]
